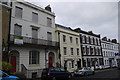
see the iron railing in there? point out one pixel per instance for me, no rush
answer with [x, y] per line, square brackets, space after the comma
[30, 40]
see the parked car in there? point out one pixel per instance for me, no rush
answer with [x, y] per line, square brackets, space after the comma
[5, 76]
[55, 74]
[84, 71]
[118, 65]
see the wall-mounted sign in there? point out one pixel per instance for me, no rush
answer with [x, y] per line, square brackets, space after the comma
[18, 40]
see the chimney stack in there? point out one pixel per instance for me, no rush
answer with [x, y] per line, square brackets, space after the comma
[48, 8]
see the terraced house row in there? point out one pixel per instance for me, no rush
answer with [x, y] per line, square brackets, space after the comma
[36, 42]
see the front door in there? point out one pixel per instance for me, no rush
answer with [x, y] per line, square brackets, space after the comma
[13, 63]
[78, 64]
[50, 62]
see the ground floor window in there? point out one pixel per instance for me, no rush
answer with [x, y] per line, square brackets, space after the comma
[65, 65]
[101, 61]
[33, 57]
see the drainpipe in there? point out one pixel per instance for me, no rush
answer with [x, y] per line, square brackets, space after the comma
[59, 48]
[9, 32]
[45, 59]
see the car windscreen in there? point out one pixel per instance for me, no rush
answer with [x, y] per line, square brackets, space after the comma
[62, 70]
[44, 71]
[79, 68]
[3, 74]
[54, 70]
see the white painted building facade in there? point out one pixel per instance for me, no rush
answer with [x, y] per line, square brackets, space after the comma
[33, 45]
[110, 51]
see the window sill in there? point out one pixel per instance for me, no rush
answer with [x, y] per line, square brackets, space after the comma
[64, 42]
[33, 65]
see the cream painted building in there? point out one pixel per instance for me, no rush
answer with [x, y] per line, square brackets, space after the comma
[70, 50]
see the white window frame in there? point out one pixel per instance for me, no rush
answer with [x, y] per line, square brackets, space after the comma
[31, 53]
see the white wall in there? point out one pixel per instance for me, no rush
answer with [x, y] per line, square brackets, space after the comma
[26, 22]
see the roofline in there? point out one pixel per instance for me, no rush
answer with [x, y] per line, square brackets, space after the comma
[36, 7]
[6, 6]
[108, 42]
[64, 27]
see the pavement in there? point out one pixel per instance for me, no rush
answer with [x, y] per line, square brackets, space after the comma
[100, 70]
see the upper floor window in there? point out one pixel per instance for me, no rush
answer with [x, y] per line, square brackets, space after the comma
[77, 51]
[33, 57]
[94, 51]
[71, 51]
[84, 50]
[91, 40]
[49, 36]
[18, 12]
[34, 17]
[87, 39]
[99, 41]
[64, 38]
[83, 39]
[76, 40]
[102, 45]
[98, 50]
[96, 41]
[70, 39]
[34, 35]
[91, 49]
[65, 50]
[17, 30]
[49, 22]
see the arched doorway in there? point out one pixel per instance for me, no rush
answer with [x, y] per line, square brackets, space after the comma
[14, 60]
[51, 59]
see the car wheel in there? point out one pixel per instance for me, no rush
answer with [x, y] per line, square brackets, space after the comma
[85, 74]
[69, 76]
[54, 78]
[93, 73]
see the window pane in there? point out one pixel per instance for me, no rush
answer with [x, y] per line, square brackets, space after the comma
[17, 30]
[64, 38]
[72, 64]
[49, 36]
[49, 22]
[30, 58]
[71, 51]
[76, 40]
[34, 57]
[18, 12]
[65, 50]
[70, 39]
[77, 51]
[35, 17]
